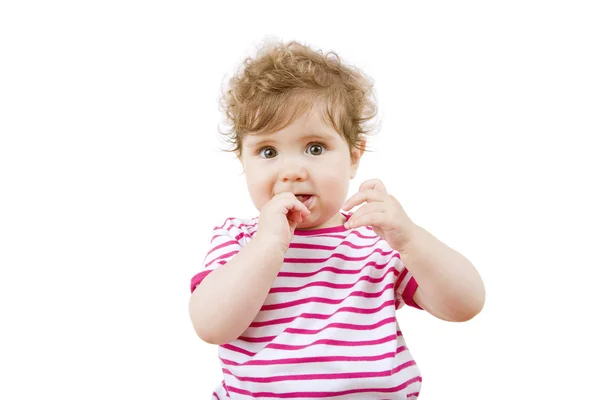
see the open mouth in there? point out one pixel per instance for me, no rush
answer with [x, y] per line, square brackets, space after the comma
[304, 198]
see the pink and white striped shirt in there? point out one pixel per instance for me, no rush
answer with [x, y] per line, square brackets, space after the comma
[328, 327]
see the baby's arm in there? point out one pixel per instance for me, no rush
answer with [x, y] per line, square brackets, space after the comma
[449, 285]
[229, 298]
[226, 302]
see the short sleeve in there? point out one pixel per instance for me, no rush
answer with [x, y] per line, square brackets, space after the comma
[405, 286]
[227, 240]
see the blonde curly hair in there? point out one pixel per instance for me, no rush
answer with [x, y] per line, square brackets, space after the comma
[285, 80]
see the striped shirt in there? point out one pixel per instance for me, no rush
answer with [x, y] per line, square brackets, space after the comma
[328, 327]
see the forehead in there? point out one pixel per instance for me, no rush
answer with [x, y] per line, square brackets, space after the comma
[308, 125]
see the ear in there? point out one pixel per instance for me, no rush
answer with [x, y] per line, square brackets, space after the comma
[355, 155]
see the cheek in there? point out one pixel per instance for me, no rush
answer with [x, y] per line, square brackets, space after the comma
[259, 186]
[336, 183]
[337, 171]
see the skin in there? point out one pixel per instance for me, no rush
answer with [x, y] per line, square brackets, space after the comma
[306, 157]
[450, 287]
[309, 157]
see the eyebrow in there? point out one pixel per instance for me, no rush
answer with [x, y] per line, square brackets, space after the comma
[270, 138]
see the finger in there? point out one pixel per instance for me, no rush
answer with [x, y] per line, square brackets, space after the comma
[295, 203]
[295, 216]
[374, 184]
[300, 207]
[368, 208]
[290, 203]
[362, 196]
[378, 219]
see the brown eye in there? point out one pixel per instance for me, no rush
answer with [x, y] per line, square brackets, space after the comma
[267, 152]
[316, 149]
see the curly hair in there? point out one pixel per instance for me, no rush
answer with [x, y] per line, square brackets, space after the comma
[285, 80]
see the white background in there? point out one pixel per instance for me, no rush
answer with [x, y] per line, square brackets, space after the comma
[111, 181]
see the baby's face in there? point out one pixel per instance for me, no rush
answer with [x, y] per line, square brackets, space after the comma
[308, 158]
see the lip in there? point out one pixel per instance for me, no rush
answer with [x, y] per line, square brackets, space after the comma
[308, 202]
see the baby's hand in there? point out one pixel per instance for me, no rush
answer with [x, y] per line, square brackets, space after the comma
[381, 211]
[279, 217]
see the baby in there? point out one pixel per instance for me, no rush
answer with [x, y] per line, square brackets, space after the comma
[302, 299]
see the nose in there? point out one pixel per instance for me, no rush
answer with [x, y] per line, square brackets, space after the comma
[292, 172]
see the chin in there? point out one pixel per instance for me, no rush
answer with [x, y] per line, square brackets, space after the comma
[305, 225]
[308, 224]
[316, 224]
